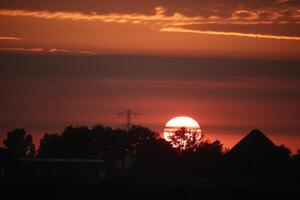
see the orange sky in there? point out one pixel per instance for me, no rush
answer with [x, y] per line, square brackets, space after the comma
[209, 28]
[228, 97]
[231, 64]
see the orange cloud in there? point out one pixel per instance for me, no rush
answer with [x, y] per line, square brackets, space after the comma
[238, 16]
[158, 17]
[238, 34]
[55, 50]
[21, 49]
[42, 50]
[9, 38]
[177, 22]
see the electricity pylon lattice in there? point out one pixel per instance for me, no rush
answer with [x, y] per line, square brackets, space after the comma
[128, 115]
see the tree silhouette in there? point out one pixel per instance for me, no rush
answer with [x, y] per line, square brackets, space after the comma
[188, 154]
[31, 151]
[296, 161]
[20, 143]
[283, 152]
[127, 142]
[185, 139]
[51, 146]
[103, 138]
[111, 145]
[138, 135]
[202, 161]
[210, 150]
[297, 155]
[78, 142]
[154, 157]
[296, 165]
[74, 142]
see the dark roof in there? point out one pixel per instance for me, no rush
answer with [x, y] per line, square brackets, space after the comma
[255, 143]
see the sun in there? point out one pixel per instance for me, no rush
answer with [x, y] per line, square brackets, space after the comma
[178, 122]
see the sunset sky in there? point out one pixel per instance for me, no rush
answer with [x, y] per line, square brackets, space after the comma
[232, 65]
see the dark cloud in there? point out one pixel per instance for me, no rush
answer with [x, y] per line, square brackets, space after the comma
[143, 67]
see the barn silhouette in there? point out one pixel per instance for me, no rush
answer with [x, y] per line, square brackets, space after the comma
[256, 145]
[255, 156]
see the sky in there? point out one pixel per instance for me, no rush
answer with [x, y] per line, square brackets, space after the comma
[231, 65]
[227, 28]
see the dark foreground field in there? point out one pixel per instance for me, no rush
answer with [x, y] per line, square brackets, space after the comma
[156, 189]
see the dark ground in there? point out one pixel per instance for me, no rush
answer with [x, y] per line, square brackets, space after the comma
[156, 189]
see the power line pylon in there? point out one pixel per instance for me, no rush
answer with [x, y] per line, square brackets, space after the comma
[128, 115]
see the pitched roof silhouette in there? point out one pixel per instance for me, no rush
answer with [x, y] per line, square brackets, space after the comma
[255, 144]
[255, 156]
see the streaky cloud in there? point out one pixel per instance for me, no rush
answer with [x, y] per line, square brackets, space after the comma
[162, 22]
[9, 38]
[56, 50]
[158, 17]
[223, 33]
[42, 50]
[22, 49]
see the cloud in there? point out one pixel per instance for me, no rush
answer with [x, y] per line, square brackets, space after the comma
[22, 49]
[165, 68]
[86, 52]
[190, 7]
[157, 18]
[55, 50]
[282, 1]
[160, 16]
[238, 34]
[42, 50]
[177, 22]
[9, 38]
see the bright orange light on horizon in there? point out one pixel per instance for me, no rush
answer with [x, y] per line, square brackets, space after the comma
[178, 122]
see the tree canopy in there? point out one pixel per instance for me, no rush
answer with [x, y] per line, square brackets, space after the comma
[20, 143]
[185, 139]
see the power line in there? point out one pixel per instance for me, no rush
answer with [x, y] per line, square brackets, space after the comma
[128, 115]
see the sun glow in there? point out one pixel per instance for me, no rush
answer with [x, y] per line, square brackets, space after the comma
[178, 122]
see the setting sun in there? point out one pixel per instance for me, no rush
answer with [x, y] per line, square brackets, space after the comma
[150, 98]
[178, 122]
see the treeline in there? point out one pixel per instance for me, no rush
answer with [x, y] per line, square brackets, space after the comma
[140, 148]
[138, 152]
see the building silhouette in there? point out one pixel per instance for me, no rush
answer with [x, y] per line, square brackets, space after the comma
[256, 157]
[255, 145]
